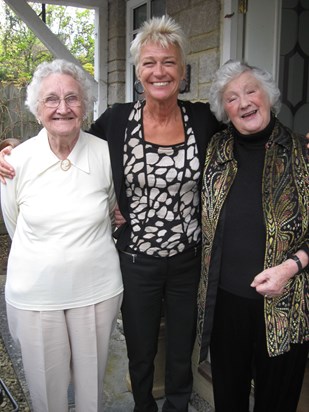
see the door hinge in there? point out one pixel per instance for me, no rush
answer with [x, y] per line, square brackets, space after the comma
[242, 6]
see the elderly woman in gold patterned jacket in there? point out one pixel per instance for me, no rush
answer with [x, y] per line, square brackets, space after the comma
[253, 295]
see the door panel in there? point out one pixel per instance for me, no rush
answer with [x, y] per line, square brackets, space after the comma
[261, 34]
[274, 35]
[294, 65]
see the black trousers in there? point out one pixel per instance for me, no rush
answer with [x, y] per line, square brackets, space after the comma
[148, 282]
[239, 354]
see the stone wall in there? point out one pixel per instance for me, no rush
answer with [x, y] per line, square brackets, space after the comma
[200, 19]
[117, 51]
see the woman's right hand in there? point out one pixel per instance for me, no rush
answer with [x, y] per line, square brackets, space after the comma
[119, 219]
[6, 170]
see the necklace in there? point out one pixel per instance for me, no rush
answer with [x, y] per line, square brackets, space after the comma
[65, 164]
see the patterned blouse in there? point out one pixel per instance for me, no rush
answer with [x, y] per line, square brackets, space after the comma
[162, 188]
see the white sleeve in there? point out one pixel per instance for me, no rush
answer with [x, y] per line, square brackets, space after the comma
[9, 205]
[112, 200]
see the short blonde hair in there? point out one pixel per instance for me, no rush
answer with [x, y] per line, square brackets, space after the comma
[162, 30]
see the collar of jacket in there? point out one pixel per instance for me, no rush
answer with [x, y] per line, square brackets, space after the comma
[226, 142]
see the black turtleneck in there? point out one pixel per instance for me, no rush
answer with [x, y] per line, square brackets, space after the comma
[244, 229]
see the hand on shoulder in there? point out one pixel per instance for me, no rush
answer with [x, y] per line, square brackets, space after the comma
[6, 171]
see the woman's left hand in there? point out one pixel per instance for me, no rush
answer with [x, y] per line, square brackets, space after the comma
[271, 282]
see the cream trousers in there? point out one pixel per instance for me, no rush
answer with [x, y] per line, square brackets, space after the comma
[63, 346]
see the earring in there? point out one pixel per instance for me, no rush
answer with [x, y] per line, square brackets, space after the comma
[138, 87]
[183, 86]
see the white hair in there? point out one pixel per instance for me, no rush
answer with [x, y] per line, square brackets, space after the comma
[60, 66]
[228, 72]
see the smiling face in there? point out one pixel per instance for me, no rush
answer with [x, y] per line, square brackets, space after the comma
[160, 71]
[246, 104]
[62, 121]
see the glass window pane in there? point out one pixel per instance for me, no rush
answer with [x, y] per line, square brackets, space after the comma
[139, 16]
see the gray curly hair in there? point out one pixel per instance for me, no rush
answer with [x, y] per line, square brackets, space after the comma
[60, 66]
[228, 72]
[162, 30]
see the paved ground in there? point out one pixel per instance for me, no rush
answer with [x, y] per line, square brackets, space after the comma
[117, 397]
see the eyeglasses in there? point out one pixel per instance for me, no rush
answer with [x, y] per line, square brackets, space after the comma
[54, 101]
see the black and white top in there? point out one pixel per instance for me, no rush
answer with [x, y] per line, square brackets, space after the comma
[162, 189]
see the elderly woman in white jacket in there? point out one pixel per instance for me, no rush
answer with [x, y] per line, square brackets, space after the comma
[64, 286]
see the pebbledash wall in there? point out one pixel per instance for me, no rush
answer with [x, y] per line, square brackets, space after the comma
[200, 20]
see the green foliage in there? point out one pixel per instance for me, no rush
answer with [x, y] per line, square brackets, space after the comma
[21, 51]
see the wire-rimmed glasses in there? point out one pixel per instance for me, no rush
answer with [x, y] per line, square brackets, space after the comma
[53, 102]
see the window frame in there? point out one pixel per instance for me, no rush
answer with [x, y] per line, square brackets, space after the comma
[130, 32]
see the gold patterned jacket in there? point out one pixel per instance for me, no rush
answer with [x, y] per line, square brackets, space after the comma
[285, 199]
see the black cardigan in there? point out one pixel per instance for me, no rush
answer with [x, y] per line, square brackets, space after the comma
[111, 126]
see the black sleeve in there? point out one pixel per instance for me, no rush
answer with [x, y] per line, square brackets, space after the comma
[112, 121]
[98, 127]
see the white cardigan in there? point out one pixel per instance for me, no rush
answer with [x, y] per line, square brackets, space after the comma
[63, 254]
